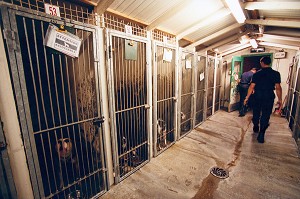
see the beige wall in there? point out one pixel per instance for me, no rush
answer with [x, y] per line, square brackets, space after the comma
[282, 65]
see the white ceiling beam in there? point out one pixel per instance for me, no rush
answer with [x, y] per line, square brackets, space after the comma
[278, 45]
[217, 34]
[102, 6]
[272, 5]
[267, 39]
[221, 43]
[209, 20]
[284, 38]
[243, 46]
[168, 14]
[273, 22]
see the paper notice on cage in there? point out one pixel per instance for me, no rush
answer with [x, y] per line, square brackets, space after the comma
[128, 29]
[64, 42]
[168, 53]
[201, 77]
[188, 63]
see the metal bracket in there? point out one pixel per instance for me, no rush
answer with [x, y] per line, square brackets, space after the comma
[147, 106]
[98, 121]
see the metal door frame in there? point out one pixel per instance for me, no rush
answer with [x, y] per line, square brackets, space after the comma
[193, 97]
[156, 44]
[204, 89]
[218, 66]
[9, 14]
[110, 33]
[297, 113]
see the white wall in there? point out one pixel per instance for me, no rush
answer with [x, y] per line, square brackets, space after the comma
[282, 65]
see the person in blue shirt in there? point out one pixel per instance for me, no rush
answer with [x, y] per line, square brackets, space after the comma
[243, 89]
[264, 82]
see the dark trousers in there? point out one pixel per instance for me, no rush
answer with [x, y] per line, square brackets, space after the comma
[243, 90]
[262, 108]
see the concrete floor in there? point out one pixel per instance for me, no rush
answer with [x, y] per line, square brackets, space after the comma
[269, 170]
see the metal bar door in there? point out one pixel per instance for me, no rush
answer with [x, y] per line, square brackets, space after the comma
[58, 105]
[218, 85]
[128, 102]
[186, 91]
[164, 97]
[210, 85]
[200, 89]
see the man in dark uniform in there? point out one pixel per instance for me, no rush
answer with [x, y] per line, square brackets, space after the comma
[263, 84]
[243, 89]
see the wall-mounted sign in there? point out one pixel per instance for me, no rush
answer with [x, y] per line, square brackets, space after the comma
[257, 50]
[130, 49]
[52, 10]
[64, 42]
[279, 55]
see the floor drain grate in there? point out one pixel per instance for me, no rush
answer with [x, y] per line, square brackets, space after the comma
[219, 172]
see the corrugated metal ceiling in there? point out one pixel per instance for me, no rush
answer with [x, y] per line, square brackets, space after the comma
[186, 18]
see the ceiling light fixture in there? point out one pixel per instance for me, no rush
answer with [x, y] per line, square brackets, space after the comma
[253, 43]
[236, 10]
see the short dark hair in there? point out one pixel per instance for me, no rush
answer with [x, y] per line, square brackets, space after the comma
[266, 60]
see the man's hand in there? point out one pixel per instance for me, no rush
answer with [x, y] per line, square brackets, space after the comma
[246, 101]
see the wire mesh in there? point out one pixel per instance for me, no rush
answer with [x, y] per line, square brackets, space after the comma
[68, 10]
[161, 36]
[115, 22]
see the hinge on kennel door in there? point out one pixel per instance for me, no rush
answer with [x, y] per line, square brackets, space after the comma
[109, 52]
[98, 121]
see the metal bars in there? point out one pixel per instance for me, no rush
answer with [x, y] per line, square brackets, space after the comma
[164, 98]
[63, 110]
[128, 91]
[210, 85]
[200, 91]
[186, 116]
[218, 86]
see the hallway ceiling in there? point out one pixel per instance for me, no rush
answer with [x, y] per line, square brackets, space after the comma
[210, 25]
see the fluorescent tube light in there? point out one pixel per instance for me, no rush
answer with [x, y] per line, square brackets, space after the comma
[253, 43]
[236, 10]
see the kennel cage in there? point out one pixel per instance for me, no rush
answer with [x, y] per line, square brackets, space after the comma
[186, 92]
[293, 98]
[58, 103]
[200, 89]
[210, 85]
[129, 101]
[164, 95]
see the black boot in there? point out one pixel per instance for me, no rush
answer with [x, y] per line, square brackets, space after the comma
[255, 128]
[261, 134]
[261, 137]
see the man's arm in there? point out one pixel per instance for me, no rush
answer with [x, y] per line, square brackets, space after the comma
[278, 90]
[250, 91]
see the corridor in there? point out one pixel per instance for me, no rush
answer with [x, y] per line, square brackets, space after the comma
[269, 170]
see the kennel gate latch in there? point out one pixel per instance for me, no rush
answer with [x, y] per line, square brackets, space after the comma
[98, 121]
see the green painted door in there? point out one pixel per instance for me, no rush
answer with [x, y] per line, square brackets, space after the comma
[236, 71]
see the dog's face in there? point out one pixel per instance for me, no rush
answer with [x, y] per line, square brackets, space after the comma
[64, 148]
[161, 126]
